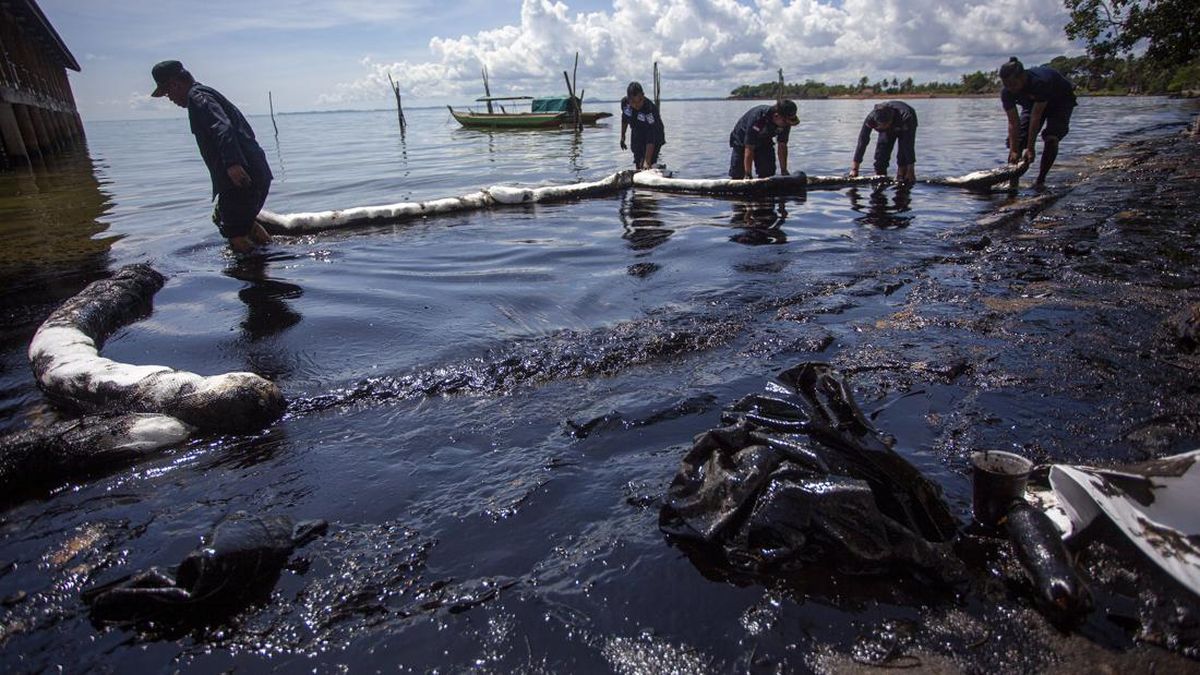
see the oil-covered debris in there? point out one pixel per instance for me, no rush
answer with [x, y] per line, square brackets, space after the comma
[1155, 505]
[617, 420]
[44, 456]
[1185, 329]
[800, 478]
[567, 354]
[240, 562]
[1061, 594]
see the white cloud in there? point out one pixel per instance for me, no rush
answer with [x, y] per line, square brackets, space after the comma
[710, 46]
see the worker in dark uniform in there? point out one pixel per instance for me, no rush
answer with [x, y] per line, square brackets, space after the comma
[895, 121]
[241, 177]
[753, 136]
[639, 113]
[1045, 97]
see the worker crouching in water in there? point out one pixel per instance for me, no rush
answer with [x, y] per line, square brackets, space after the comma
[754, 135]
[1046, 99]
[896, 122]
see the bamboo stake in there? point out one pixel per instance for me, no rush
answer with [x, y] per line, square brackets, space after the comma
[577, 104]
[779, 95]
[399, 107]
[487, 91]
[271, 103]
[571, 96]
[657, 89]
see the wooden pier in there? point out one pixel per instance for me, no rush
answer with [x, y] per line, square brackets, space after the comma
[38, 117]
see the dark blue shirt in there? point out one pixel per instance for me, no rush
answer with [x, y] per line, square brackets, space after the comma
[757, 128]
[904, 120]
[646, 125]
[225, 138]
[1042, 83]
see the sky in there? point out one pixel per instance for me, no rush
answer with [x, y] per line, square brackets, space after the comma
[337, 54]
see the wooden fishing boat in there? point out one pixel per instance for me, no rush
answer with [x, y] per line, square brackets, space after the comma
[508, 120]
[545, 112]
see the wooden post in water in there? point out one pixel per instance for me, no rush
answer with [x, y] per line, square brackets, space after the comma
[571, 97]
[487, 91]
[657, 89]
[576, 105]
[779, 91]
[271, 103]
[399, 107]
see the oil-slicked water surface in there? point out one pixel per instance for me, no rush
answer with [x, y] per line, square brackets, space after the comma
[487, 407]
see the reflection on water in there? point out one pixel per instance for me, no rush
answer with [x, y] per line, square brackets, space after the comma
[49, 219]
[50, 248]
[642, 221]
[878, 209]
[576, 151]
[760, 222]
[268, 312]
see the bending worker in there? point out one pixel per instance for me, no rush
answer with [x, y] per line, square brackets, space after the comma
[753, 136]
[895, 121]
[1045, 96]
[241, 177]
[648, 132]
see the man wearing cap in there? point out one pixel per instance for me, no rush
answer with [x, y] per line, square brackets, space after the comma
[1045, 96]
[895, 121]
[752, 137]
[241, 177]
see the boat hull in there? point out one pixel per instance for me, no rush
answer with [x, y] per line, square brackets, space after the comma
[521, 120]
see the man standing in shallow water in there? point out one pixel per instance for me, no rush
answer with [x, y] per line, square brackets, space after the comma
[1045, 96]
[648, 134]
[241, 177]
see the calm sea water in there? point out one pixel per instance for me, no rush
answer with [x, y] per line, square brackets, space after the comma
[436, 500]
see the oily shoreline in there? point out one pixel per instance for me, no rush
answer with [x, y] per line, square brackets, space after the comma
[1057, 331]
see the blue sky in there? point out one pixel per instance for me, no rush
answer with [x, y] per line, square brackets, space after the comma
[336, 54]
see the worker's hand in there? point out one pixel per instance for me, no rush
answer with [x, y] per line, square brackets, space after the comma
[1013, 155]
[784, 172]
[239, 176]
[854, 169]
[623, 147]
[1029, 154]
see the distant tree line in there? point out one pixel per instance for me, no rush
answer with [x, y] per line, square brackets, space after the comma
[1161, 32]
[1100, 74]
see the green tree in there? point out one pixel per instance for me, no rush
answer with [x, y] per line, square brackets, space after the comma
[1112, 27]
[979, 82]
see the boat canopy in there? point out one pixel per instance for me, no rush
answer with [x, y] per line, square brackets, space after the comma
[551, 104]
[503, 98]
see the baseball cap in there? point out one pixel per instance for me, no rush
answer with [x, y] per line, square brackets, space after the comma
[163, 72]
[787, 109]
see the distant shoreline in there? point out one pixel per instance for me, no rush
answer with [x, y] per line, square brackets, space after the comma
[861, 97]
[891, 97]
